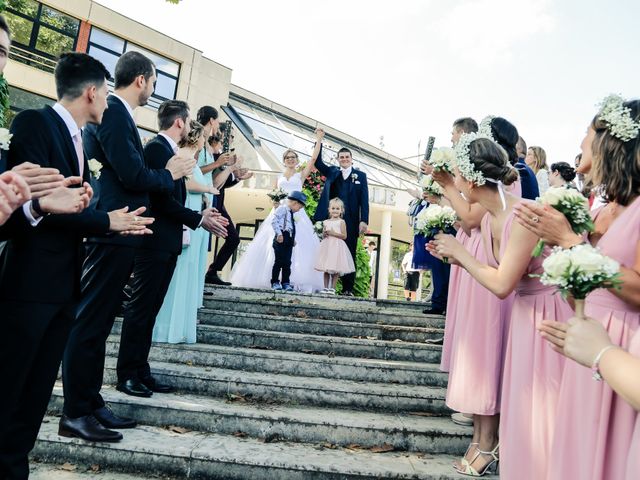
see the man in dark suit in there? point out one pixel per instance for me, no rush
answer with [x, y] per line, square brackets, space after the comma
[350, 185]
[40, 266]
[155, 261]
[528, 180]
[125, 180]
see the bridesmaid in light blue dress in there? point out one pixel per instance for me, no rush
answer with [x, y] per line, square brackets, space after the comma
[177, 320]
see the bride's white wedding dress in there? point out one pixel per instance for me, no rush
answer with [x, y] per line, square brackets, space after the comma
[253, 269]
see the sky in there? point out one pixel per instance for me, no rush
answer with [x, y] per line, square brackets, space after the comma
[406, 69]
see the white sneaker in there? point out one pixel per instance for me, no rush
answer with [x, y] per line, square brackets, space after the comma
[462, 419]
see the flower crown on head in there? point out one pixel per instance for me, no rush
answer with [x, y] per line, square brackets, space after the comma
[484, 128]
[618, 118]
[463, 158]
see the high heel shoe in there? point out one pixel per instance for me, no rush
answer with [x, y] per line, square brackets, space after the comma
[491, 466]
[464, 460]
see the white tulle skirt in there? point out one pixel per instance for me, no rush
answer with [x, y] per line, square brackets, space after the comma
[253, 268]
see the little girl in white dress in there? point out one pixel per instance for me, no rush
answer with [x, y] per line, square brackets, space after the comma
[253, 269]
[333, 257]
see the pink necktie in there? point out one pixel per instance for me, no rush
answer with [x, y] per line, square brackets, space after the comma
[77, 142]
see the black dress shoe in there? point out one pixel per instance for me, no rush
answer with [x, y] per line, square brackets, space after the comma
[109, 419]
[87, 428]
[347, 293]
[214, 279]
[433, 311]
[155, 386]
[135, 388]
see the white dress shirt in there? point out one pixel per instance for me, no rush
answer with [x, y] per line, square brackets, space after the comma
[346, 172]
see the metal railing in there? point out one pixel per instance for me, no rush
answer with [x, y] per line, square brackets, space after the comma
[32, 59]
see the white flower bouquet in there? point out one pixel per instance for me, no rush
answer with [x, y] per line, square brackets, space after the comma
[277, 195]
[430, 186]
[578, 271]
[442, 159]
[5, 138]
[435, 219]
[318, 227]
[95, 167]
[573, 205]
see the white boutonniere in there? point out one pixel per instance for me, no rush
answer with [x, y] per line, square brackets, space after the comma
[354, 177]
[5, 139]
[95, 167]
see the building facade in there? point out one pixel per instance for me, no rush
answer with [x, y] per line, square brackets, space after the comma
[264, 129]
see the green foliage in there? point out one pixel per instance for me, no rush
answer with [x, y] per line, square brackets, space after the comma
[3, 5]
[4, 102]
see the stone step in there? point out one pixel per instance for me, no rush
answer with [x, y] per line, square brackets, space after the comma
[320, 344]
[195, 455]
[294, 363]
[299, 323]
[291, 307]
[335, 301]
[88, 471]
[292, 390]
[407, 432]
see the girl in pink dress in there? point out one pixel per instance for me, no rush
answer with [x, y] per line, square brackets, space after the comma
[531, 369]
[594, 427]
[334, 258]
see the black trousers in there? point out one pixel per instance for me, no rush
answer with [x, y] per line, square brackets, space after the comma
[152, 274]
[31, 346]
[282, 263]
[230, 245]
[106, 271]
[353, 234]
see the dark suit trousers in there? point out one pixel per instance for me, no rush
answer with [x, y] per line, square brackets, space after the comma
[151, 278]
[230, 245]
[31, 346]
[353, 234]
[106, 271]
[440, 277]
[283, 252]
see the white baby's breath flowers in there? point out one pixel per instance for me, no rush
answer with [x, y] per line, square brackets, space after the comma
[430, 186]
[95, 167]
[463, 158]
[618, 118]
[442, 159]
[5, 138]
[484, 129]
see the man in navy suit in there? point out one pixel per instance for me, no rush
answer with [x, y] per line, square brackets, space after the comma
[41, 264]
[350, 185]
[125, 180]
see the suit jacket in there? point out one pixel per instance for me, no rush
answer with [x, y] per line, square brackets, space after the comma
[356, 201]
[167, 208]
[528, 180]
[125, 179]
[43, 263]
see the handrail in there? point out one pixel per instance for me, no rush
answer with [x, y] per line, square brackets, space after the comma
[32, 59]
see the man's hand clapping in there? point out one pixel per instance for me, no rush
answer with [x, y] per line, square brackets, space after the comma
[41, 180]
[65, 199]
[14, 192]
[214, 222]
[180, 166]
[130, 223]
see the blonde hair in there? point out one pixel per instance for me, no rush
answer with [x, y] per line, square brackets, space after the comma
[191, 140]
[336, 201]
[287, 152]
[541, 159]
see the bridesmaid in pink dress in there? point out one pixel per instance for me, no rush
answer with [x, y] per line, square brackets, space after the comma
[594, 426]
[531, 370]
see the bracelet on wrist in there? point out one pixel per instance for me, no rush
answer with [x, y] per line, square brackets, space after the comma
[595, 368]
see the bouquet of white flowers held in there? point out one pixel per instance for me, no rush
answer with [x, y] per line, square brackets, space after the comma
[5, 139]
[573, 205]
[277, 195]
[318, 227]
[442, 159]
[95, 167]
[435, 219]
[578, 271]
[430, 186]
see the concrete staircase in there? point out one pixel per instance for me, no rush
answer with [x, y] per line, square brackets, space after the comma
[283, 386]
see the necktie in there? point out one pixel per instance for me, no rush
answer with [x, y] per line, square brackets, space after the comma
[293, 226]
[77, 143]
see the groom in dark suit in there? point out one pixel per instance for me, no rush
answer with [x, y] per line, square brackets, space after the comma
[350, 185]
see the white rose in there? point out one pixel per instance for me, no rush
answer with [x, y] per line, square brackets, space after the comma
[590, 261]
[95, 167]
[556, 264]
[5, 139]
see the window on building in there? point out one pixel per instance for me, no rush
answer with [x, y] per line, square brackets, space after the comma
[41, 29]
[25, 100]
[108, 48]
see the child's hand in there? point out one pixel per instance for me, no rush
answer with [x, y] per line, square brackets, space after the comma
[280, 239]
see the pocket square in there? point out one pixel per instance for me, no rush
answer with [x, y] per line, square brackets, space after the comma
[357, 182]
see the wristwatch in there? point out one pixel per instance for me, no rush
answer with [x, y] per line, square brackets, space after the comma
[35, 205]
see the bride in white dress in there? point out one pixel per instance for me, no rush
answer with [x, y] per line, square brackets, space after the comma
[253, 269]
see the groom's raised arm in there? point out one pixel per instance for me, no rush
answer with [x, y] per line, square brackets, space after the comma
[364, 199]
[322, 167]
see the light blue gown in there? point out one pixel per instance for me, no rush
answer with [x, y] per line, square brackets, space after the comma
[177, 320]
